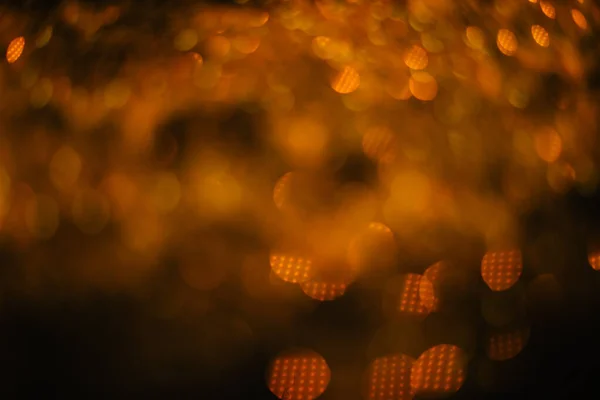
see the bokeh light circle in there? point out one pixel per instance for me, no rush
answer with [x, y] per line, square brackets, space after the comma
[439, 371]
[504, 345]
[501, 269]
[298, 374]
[290, 268]
[388, 378]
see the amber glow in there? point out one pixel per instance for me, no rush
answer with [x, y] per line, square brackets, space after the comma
[594, 260]
[439, 370]
[302, 375]
[429, 285]
[579, 19]
[501, 269]
[548, 144]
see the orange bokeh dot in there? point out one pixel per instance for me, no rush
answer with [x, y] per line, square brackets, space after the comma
[416, 58]
[15, 49]
[548, 144]
[409, 302]
[507, 42]
[540, 35]
[389, 378]
[506, 345]
[579, 18]
[594, 260]
[322, 290]
[281, 190]
[376, 240]
[291, 268]
[439, 370]
[429, 284]
[501, 269]
[378, 143]
[548, 9]
[423, 86]
[346, 81]
[301, 374]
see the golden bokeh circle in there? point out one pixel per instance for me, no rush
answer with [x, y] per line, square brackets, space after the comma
[501, 269]
[298, 374]
[441, 370]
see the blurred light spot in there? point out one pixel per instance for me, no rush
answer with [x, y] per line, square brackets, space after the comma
[411, 192]
[398, 87]
[305, 142]
[301, 374]
[378, 143]
[65, 168]
[323, 291]
[291, 269]
[548, 144]
[372, 249]
[506, 345]
[218, 46]
[122, 193]
[501, 269]
[116, 94]
[91, 211]
[439, 370]
[429, 286]
[579, 19]
[15, 49]
[423, 86]
[561, 176]
[594, 260]
[44, 37]
[186, 40]
[540, 35]
[167, 192]
[346, 81]
[389, 378]
[475, 38]
[281, 190]
[409, 302]
[416, 58]
[322, 46]
[42, 216]
[548, 9]
[208, 75]
[245, 44]
[41, 93]
[507, 42]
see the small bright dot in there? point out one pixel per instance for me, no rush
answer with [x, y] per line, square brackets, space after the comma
[423, 86]
[346, 81]
[290, 268]
[15, 49]
[298, 374]
[507, 42]
[439, 370]
[540, 35]
[548, 9]
[501, 269]
[416, 58]
[579, 19]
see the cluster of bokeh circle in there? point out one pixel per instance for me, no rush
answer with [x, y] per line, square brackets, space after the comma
[440, 370]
